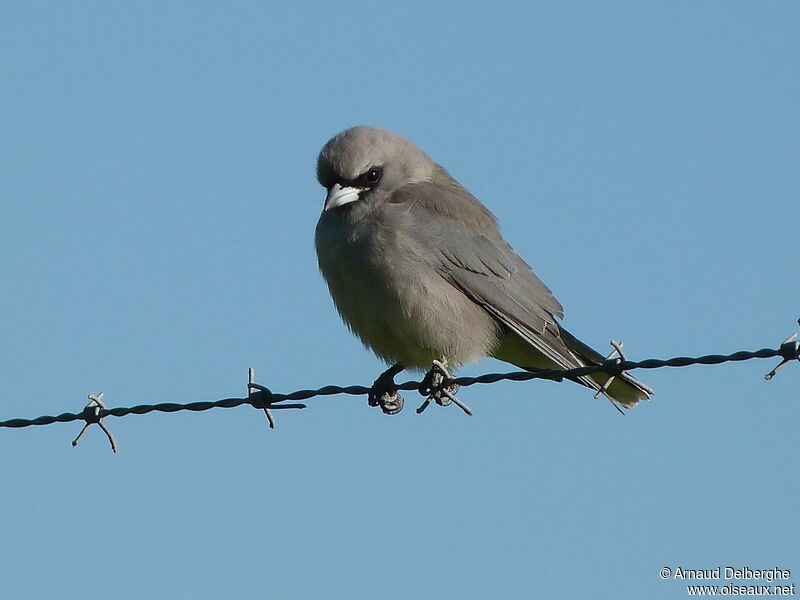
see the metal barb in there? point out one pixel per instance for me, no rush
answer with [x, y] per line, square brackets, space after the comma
[790, 350]
[431, 386]
[617, 360]
[91, 414]
[251, 385]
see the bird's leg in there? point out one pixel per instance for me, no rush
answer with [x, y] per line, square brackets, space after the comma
[384, 391]
[438, 373]
[432, 386]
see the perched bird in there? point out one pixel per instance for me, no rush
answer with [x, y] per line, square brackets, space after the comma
[418, 270]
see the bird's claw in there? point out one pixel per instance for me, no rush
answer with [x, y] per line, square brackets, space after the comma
[390, 404]
[384, 392]
[432, 387]
[434, 378]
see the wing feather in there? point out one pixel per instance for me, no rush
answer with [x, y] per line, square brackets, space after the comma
[469, 252]
[482, 265]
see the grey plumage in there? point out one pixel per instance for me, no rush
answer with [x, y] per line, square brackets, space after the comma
[418, 270]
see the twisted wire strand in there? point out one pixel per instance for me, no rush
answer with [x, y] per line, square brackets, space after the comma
[265, 399]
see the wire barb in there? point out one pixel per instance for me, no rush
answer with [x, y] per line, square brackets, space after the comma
[439, 385]
[94, 413]
[260, 388]
[789, 350]
[611, 366]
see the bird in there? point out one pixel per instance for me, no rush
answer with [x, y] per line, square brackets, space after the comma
[418, 270]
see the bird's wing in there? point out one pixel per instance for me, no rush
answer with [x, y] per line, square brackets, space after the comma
[483, 266]
[463, 243]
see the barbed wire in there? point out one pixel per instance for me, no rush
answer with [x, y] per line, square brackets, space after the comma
[263, 398]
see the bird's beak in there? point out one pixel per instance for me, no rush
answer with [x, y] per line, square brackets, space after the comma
[338, 195]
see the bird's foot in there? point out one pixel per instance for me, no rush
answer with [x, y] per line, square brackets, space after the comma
[443, 395]
[384, 391]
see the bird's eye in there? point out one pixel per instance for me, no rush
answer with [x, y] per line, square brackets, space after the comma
[373, 176]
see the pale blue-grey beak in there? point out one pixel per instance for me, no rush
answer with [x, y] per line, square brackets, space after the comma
[338, 195]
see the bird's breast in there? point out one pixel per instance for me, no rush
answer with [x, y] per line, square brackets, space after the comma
[391, 295]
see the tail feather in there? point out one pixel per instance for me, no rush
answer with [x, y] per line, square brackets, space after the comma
[625, 389]
[567, 352]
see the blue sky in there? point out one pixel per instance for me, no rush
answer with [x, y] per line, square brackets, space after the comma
[159, 201]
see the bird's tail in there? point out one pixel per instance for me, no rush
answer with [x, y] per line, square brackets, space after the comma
[557, 348]
[625, 389]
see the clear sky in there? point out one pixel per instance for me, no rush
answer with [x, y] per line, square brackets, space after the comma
[158, 206]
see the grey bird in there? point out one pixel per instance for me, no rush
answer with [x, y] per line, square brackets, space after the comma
[419, 271]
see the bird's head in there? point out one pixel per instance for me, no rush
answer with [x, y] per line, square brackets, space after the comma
[363, 164]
